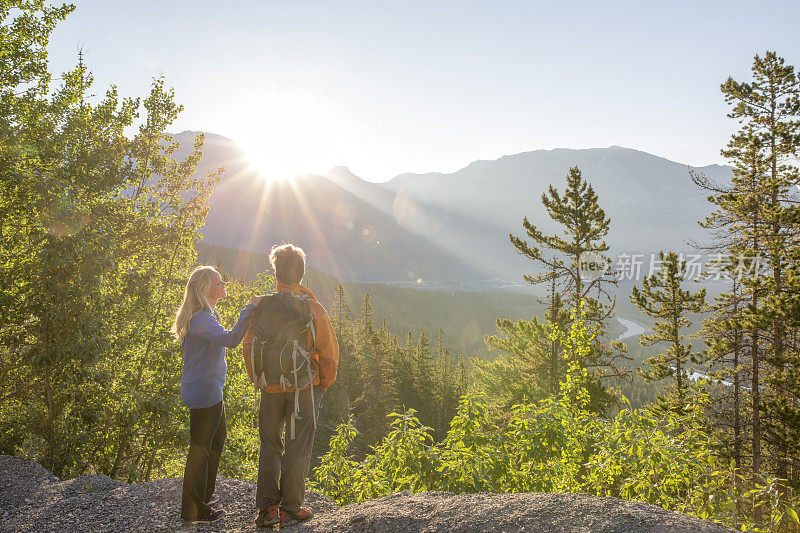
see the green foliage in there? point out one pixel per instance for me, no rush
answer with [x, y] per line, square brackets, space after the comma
[770, 496]
[97, 236]
[464, 462]
[336, 474]
[667, 461]
[403, 454]
[554, 445]
[530, 368]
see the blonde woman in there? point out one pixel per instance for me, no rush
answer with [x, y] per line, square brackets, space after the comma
[204, 341]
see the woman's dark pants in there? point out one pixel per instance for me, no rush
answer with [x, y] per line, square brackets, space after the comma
[207, 432]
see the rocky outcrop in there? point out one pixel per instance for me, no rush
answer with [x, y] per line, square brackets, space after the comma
[33, 500]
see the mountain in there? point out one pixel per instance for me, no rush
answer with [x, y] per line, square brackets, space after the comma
[451, 230]
[342, 233]
[651, 201]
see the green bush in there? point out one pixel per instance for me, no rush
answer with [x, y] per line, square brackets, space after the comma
[555, 445]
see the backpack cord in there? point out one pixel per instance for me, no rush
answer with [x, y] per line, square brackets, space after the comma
[296, 413]
[311, 375]
[312, 349]
[255, 378]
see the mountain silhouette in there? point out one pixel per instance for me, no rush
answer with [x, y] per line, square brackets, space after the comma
[449, 228]
[342, 233]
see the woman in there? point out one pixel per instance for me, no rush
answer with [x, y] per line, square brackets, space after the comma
[204, 368]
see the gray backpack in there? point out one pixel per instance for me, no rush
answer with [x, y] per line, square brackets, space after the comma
[279, 354]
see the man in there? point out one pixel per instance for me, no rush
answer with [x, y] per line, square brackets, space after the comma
[282, 471]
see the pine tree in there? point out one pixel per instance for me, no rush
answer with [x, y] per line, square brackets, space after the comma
[727, 350]
[347, 371]
[662, 298]
[404, 373]
[557, 317]
[585, 225]
[424, 379]
[442, 379]
[769, 107]
[739, 228]
[367, 322]
[389, 348]
[377, 395]
[756, 223]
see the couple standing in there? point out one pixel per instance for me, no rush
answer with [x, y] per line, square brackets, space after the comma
[288, 403]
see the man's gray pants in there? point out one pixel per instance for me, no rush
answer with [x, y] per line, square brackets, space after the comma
[282, 470]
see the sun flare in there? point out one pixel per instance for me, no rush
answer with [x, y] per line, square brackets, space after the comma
[269, 167]
[291, 134]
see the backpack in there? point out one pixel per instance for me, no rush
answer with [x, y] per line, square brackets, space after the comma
[279, 355]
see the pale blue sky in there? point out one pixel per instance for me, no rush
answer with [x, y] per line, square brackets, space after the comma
[392, 87]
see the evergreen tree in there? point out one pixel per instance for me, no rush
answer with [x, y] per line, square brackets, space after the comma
[347, 371]
[727, 350]
[662, 298]
[739, 228]
[756, 223]
[424, 379]
[405, 375]
[367, 322]
[377, 395]
[442, 379]
[769, 107]
[585, 225]
[558, 318]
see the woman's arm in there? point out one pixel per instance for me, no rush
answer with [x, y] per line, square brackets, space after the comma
[208, 328]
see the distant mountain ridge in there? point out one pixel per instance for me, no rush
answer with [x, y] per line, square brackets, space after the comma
[449, 229]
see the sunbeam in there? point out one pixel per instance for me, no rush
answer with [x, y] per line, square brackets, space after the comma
[310, 219]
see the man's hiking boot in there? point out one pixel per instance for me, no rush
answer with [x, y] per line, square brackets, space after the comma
[213, 501]
[269, 516]
[211, 516]
[288, 518]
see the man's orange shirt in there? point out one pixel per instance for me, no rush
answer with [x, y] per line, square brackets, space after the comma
[326, 348]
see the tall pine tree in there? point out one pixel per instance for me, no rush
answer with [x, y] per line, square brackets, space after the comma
[347, 372]
[726, 357]
[662, 298]
[585, 225]
[756, 223]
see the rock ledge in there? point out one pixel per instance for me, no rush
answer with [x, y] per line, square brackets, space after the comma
[33, 500]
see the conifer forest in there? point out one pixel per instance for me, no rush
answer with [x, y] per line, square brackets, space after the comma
[101, 223]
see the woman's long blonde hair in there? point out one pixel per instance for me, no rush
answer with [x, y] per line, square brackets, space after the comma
[195, 297]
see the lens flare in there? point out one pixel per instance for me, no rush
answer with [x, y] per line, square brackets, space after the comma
[411, 216]
[64, 218]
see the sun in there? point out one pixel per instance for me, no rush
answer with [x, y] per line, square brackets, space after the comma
[289, 135]
[270, 164]
[270, 167]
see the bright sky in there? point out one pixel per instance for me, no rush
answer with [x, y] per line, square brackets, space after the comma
[430, 86]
